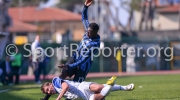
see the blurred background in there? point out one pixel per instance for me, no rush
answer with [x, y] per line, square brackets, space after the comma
[128, 23]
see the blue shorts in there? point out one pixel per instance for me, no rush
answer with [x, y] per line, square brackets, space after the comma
[79, 75]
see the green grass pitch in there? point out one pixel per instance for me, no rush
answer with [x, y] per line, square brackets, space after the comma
[155, 87]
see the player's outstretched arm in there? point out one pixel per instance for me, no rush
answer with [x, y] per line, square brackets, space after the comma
[65, 87]
[85, 14]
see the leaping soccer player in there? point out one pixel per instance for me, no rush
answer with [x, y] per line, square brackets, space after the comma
[80, 64]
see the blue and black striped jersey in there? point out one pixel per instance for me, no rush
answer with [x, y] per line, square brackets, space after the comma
[86, 48]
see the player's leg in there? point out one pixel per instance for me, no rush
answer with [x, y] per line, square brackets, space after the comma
[35, 67]
[128, 87]
[96, 88]
[118, 87]
[68, 73]
[80, 75]
[101, 91]
[63, 74]
[90, 89]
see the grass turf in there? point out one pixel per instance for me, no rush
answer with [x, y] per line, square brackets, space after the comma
[155, 87]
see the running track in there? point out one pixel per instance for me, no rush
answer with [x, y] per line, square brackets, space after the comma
[109, 74]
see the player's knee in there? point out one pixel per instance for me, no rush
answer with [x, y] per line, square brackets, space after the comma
[98, 88]
[63, 74]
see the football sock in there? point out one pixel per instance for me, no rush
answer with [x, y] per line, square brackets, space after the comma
[105, 91]
[117, 87]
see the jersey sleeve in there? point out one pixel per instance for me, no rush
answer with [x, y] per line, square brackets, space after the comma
[84, 58]
[85, 17]
[57, 82]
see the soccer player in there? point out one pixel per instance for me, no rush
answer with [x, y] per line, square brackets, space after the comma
[81, 61]
[78, 91]
[84, 90]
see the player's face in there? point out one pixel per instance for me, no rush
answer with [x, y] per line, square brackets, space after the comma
[49, 89]
[91, 33]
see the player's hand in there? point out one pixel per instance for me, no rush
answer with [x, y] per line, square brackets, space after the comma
[88, 2]
[63, 66]
[58, 99]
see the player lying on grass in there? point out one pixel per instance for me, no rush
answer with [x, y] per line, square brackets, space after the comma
[75, 90]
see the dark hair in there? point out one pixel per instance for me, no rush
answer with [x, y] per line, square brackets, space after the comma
[94, 26]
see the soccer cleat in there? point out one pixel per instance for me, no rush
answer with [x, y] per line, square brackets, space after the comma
[111, 81]
[130, 87]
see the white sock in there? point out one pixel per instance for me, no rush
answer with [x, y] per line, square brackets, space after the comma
[105, 91]
[117, 87]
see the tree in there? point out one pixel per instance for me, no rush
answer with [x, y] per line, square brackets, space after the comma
[128, 5]
[147, 11]
[134, 5]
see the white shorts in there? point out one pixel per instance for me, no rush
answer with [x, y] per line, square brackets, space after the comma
[92, 97]
[84, 88]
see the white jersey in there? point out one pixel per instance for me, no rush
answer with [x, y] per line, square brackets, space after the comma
[76, 91]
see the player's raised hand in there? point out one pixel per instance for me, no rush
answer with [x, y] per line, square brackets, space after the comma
[88, 2]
